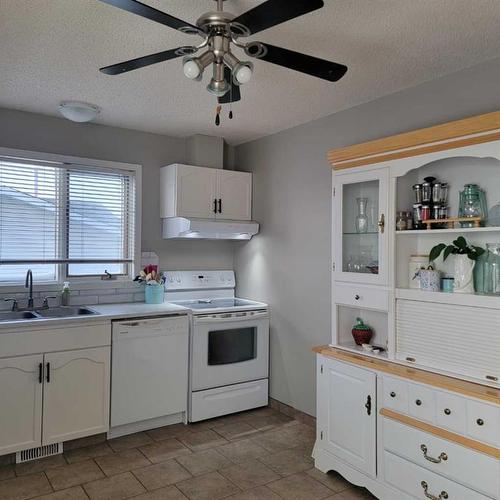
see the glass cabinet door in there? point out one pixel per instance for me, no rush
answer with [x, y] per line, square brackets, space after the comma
[359, 215]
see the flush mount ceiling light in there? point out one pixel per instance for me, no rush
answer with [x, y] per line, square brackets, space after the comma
[221, 32]
[79, 112]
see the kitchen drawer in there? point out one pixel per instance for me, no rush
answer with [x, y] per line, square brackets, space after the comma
[451, 412]
[483, 422]
[422, 402]
[423, 484]
[472, 469]
[395, 395]
[361, 296]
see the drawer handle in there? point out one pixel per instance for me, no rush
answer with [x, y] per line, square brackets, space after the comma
[447, 411]
[418, 402]
[437, 460]
[480, 421]
[393, 394]
[425, 486]
[357, 297]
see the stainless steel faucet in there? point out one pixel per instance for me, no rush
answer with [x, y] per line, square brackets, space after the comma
[29, 284]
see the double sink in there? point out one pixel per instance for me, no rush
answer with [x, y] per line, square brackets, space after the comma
[51, 312]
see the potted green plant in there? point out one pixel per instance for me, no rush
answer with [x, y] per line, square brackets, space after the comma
[466, 256]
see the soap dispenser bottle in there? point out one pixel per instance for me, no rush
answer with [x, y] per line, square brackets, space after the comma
[65, 293]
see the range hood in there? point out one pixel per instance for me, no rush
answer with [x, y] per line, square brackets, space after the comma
[183, 228]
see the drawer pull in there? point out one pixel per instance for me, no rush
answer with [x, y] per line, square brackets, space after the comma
[437, 460]
[357, 297]
[418, 402]
[393, 394]
[447, 411]
[425, 486]
[480, 421]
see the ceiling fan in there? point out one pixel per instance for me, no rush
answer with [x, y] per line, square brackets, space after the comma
[221, 30]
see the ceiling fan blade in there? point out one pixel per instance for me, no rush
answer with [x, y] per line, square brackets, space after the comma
[275, 12]
[153, 14]
[141, 62]
[310, 65]
[234, 93]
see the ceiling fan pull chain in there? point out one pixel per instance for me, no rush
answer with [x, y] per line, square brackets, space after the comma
[217, 115]
[231, 97]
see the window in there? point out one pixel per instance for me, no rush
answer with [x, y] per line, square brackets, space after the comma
[65, 220]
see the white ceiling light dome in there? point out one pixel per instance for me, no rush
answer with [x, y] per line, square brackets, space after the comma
[79, 112]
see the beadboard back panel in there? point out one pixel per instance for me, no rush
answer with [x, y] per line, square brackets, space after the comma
[455, 338]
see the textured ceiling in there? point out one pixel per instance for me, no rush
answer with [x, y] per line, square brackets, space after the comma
[51, 51]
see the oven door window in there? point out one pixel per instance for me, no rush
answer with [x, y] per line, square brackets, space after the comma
[232, 346]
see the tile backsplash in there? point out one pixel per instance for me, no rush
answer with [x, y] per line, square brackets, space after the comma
[109, 292]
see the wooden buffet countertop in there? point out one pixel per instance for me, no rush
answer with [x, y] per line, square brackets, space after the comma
[464, 387]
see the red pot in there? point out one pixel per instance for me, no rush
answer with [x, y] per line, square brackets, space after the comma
[362, 335]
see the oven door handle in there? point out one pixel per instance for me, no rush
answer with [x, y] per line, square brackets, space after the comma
[221, 319]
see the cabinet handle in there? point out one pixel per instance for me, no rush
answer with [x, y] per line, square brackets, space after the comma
[357, 297]
[368, 405]
[40, 373]
[220, 205]
[381, 223]
[393, 394]
[438, 460]
[215, 205]
[447, 411]
[480, 421]
[425, 486]
[418, 402]
[48, 373]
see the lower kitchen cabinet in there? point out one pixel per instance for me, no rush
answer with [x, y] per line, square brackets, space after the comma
[53, 397]
[429, 436]
[347, 413]
[76, 394]
[20, 403]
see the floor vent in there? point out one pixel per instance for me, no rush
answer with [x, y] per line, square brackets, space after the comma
[40, 452]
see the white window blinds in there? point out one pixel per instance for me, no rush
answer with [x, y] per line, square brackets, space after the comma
[64, 220]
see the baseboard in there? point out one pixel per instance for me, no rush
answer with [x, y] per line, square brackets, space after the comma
[290, 411]
[146, 425]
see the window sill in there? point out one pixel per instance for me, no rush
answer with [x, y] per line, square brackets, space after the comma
[94, 284]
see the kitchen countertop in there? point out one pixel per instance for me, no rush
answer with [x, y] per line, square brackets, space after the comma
[107, 312]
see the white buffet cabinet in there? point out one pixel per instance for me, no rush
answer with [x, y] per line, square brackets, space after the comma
[421, 419]
[54, 383]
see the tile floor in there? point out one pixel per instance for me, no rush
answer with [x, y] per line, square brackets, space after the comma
[256, 455]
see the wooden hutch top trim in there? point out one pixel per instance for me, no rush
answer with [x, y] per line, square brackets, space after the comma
[483, 392]
[459, 133]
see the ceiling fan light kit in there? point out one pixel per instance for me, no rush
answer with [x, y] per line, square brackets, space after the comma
[221, 30]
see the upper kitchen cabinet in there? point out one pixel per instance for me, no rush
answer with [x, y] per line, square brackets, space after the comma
[205, 193]
[359, 226]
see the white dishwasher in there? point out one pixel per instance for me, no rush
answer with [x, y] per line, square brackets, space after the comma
[149, 373]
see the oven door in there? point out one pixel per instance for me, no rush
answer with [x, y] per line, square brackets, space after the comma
[229, 348]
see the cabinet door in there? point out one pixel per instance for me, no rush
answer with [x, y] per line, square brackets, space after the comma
[21, 403]
[360, 239]
[76, 394]
[347, 413]
[235, 195]
[196, 192]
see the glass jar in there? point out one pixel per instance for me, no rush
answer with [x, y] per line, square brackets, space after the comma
[361, 218]
[401, 221]
[491, 270]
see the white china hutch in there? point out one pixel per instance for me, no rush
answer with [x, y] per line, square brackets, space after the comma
[420, 418]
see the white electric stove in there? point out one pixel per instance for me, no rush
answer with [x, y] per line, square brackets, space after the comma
[229, 343]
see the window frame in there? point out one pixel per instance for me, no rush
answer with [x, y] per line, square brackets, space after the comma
[90, 164]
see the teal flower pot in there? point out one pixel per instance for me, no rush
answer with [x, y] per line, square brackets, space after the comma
[154, 294]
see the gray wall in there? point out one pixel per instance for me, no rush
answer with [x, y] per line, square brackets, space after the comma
[288, 264]
[21, 130]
